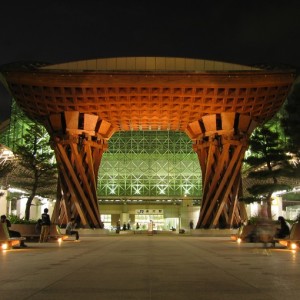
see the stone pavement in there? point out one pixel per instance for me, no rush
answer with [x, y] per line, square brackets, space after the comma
[149, 267]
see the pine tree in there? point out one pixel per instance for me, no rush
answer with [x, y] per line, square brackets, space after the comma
[268, 163]
[37, 172]
[290, 121]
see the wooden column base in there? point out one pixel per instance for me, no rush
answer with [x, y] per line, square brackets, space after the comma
[221, 182]
[79, 141]
[220, 141]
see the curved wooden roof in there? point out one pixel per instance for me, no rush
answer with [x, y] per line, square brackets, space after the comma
[149, 93]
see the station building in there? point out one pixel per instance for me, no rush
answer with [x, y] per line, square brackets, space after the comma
[140, 138]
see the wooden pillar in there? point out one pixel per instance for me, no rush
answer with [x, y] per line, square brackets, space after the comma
[220, 141]
[79, 141]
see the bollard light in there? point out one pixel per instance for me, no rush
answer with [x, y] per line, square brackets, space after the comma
[293, 246]
[4, 246]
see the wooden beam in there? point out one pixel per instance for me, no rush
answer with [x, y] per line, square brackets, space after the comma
[77, 186]
[61, 158]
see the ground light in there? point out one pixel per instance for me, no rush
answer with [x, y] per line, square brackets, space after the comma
[4, 246]
[293, 246]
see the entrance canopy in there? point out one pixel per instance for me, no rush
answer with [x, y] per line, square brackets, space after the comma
[149, 93]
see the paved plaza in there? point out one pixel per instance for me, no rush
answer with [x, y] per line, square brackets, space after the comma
[149, 267]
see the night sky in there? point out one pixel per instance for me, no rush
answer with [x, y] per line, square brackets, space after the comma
[245, 32]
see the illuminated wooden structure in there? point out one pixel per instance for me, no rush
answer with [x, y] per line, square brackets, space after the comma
[83, 103]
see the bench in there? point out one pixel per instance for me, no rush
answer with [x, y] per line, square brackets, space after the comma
[256, 233]
[235, 236]
[6, 241]
[55, 233]
[243, 234]
[29, 231]
[26, 230]
[293, 240]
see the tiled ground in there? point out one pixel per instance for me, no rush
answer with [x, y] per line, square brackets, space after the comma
[149, 267]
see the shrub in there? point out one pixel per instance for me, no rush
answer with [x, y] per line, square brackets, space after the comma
[17, 220]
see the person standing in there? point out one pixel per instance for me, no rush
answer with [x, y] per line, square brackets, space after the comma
[45, 226]
[70, 229]
[124, 226]
[150, 227]
[118, 227]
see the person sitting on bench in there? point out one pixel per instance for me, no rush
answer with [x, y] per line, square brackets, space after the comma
[284, 229]
[12, 233]
[70, 229]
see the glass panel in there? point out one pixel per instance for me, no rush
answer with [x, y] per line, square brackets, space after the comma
[150, 163]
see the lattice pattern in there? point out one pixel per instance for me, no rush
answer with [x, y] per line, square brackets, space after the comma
[149, 164]
[151, 102]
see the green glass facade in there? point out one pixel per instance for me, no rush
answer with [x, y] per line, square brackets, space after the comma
[159, 164]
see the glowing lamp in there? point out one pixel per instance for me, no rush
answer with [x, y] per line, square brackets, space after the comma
[293, 246]
[4, 246]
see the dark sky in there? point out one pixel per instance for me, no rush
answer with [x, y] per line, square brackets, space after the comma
[246, 32]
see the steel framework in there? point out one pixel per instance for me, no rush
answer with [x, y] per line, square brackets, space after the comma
[149, 164]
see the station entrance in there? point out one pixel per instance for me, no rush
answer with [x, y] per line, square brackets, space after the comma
[141, 222]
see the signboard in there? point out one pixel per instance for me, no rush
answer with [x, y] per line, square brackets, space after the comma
[148, 211]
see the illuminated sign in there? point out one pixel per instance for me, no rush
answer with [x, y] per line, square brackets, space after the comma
[148, 211]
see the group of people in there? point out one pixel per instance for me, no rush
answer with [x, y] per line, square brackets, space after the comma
[45, 223]
[42, 228]
[124, 227]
